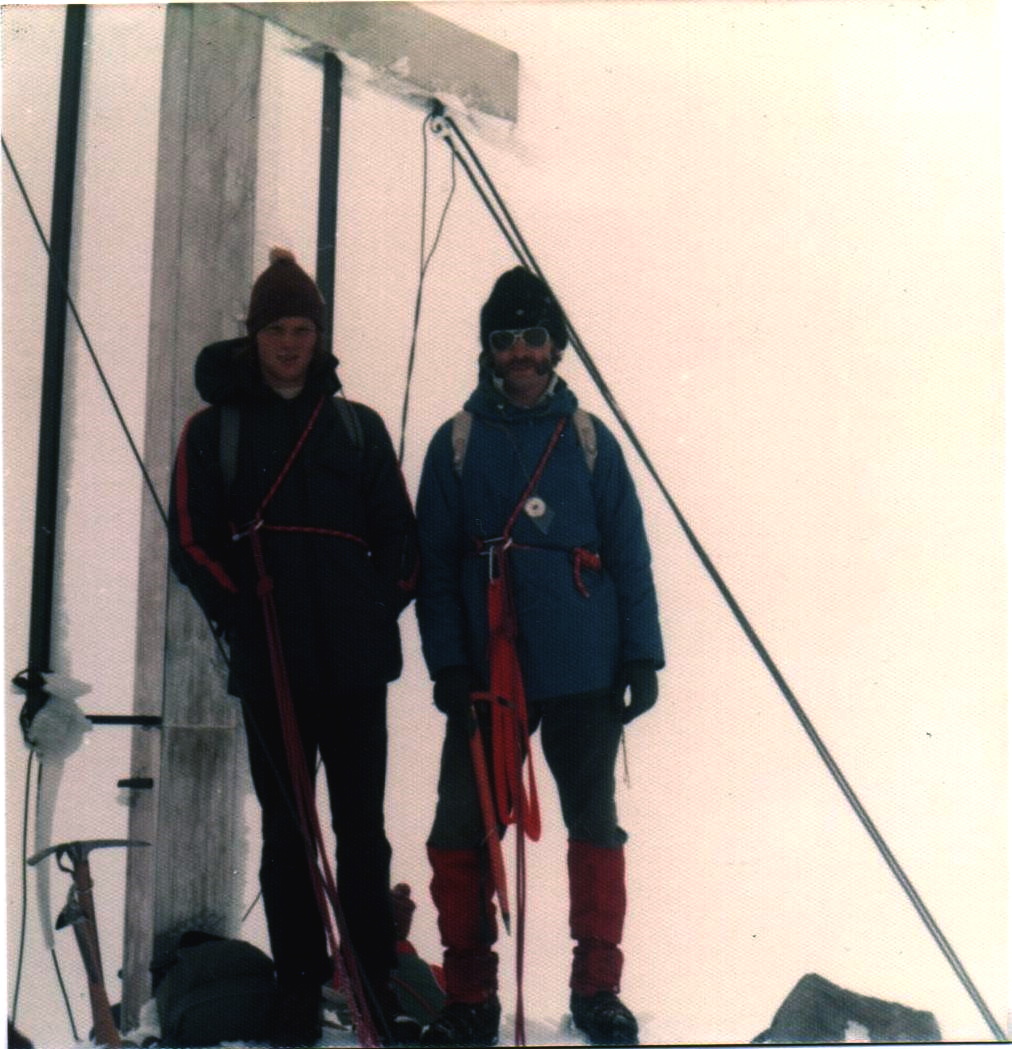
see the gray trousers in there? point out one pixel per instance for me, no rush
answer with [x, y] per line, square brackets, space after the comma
[580, 737]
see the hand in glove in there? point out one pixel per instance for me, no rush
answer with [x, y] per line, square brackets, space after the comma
[452, 690]
[640, 677]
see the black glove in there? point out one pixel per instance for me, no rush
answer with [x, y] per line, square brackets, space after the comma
[452, 691]
[640, 677]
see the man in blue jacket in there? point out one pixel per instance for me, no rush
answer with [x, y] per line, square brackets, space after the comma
[526, 489]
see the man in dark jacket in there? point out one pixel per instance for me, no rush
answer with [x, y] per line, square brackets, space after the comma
[524, 487]
[335, 526]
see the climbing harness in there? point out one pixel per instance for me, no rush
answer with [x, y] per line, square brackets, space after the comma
[324, 886]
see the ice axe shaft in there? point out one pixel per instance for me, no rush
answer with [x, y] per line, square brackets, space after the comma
[80, 913]
[492, 840]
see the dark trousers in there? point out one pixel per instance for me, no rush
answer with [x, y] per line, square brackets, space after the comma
[348, 731]
[580, 737]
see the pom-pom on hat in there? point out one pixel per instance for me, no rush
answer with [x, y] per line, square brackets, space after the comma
[403, 908]
[519, 299]
[284, 289]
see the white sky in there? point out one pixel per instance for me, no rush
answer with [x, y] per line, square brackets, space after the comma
[776, 228]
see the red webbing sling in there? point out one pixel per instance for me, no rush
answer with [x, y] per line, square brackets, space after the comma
[509, 730]
[324, 886]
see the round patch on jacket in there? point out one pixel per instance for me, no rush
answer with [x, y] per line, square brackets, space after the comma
[535, 507]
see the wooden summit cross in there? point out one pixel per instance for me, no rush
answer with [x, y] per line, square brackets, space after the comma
[204, 236]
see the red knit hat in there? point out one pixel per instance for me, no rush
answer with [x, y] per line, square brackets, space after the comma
[284, 289]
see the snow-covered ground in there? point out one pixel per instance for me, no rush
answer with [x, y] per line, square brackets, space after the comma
[777, 229]
[549, 1031]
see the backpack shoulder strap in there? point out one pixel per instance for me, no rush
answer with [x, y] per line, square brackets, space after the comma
[228, 441]
[228, 437]
[460, 435]
[352, 423]
[584, 423]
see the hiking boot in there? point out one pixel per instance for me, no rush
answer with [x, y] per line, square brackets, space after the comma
[399, 1027]
[604, 1019]
[296, 1018]
[402, 1031]
[465, 1024]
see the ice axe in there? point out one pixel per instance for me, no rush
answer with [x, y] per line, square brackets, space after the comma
[487, 803]
[80, 913]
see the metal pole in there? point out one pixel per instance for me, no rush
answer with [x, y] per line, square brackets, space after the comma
[40, 626]
[326, 217]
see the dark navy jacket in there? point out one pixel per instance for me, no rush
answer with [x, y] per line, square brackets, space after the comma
[338, 599]
[568, 643]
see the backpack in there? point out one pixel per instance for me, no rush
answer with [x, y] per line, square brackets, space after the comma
[228, 436]
[582, 420]
[417, 988]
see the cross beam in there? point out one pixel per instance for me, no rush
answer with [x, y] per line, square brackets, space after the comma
[409, 51]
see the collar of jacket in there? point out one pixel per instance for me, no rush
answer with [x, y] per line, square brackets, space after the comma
[227, 372]
[489, 402]
[553, 381]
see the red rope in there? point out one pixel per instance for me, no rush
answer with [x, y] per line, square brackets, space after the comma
[293, 455]
[310, 530]
[536, 476]
[584, 559]
[324, 885]
[509, 714]
[488, 813]
[510, 731]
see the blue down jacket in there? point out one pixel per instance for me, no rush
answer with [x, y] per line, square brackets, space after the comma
[567, 643]
[337, 599]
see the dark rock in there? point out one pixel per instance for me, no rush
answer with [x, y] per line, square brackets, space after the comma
[15, 1039]
[818, 1011]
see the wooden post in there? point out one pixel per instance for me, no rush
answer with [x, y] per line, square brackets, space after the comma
[203, 259]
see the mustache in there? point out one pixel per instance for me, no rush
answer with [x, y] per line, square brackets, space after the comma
[540, 367]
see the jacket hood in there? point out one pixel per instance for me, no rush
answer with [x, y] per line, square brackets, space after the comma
[489, 401]
[227, 372]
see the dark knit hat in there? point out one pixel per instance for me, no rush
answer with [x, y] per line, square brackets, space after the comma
[519, 299]
[403, 908]
[284, 289]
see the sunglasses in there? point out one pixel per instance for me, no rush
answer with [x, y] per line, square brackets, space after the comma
[503, 338]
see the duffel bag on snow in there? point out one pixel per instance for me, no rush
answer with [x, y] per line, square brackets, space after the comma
[215, 990]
